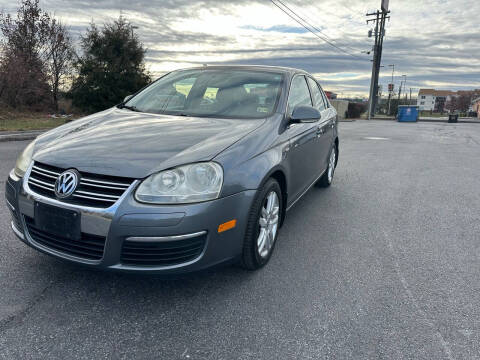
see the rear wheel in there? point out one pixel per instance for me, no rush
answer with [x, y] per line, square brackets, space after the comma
[262, 226]
[327, 178]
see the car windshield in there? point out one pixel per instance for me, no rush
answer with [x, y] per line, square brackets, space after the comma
[211, 93]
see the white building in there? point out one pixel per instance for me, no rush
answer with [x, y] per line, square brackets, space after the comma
[432, 100]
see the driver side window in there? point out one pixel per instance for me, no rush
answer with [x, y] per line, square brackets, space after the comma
[168, 98]
[299, 93]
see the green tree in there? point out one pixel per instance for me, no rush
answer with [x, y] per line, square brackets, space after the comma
[111, 67]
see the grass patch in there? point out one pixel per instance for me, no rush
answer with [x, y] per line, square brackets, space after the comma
[18, 121]
[435, 115]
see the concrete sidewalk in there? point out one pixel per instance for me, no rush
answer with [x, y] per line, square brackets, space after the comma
[464, 120]
[19, 135]
[32, 134]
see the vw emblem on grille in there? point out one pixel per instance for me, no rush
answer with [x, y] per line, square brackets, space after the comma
[66, 184]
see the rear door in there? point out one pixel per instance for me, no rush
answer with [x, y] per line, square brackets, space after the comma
[332, 116]
[324, 126]
[303, 140]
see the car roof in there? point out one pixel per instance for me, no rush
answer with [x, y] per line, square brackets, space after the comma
[281, 69]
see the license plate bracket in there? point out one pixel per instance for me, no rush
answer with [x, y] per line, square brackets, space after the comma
[57, 221]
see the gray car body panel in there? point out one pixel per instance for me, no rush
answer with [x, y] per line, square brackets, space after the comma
[120, 142]
[138, 144]
[176, 220]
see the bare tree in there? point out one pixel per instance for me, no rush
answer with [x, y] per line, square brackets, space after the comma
[36, 55]
[464, 100]
[460, 102]
[60, 56]
[27, 34]
[23, 79]
[452, 103]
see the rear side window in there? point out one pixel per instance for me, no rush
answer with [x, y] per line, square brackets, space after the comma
[316, 95]
[325, 98]
[299, 93]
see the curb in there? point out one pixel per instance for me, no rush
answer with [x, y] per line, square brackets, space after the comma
[20, 135]
[427, 121]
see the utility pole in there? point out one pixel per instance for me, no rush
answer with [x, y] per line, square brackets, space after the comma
[380, 18]
[371, 100]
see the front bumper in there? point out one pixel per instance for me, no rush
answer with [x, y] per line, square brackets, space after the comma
[128, 219]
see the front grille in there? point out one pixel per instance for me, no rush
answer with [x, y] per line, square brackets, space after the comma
[165, 253]
[93, 190]
[89, 246]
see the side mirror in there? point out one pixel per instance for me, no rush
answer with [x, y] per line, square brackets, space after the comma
[128, 97]
[305, 114]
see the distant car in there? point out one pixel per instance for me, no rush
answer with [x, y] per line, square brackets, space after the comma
[195, 170]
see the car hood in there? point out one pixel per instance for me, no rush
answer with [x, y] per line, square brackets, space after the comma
[132, 144]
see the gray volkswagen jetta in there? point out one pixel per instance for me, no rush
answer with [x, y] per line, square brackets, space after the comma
[197, 169]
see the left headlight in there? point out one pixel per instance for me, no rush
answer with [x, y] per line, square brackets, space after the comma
[24, 160]
[182, 185]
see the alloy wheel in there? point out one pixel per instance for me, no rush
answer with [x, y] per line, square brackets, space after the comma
[268, 223]
[331, 165]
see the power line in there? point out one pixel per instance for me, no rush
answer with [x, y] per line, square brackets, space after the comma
[310, 23]
[310, 30]
[311, 26]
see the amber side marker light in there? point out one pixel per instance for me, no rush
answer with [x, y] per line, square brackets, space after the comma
[227, 226]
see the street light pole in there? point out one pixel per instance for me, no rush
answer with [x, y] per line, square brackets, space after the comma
[133, 27]
[390, 92]
[400, 90]
[404, 79]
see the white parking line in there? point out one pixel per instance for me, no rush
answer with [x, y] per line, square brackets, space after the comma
[376, 138]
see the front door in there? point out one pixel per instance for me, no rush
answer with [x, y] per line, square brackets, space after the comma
[303, 155]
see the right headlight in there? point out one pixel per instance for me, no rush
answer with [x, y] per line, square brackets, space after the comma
[24, 160]
[182, 185]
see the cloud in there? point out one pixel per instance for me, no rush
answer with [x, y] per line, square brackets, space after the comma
[279, 28]
[424, 39]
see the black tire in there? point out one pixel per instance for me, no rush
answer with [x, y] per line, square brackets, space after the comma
[251, 259]
[324, 181]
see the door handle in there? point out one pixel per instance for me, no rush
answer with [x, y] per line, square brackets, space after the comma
[320, 131]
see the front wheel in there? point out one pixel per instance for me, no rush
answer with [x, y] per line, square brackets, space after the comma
[327, 178]
[262, 226]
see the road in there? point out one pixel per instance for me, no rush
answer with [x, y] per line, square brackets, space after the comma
[383, 265]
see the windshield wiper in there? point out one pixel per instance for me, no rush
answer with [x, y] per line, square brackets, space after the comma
[128, 107]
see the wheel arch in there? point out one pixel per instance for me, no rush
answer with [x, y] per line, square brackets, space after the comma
[279, 175]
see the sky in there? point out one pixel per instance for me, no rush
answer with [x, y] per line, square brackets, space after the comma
[436, 43]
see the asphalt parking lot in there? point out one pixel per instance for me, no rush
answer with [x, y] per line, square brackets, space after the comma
[385, 264]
